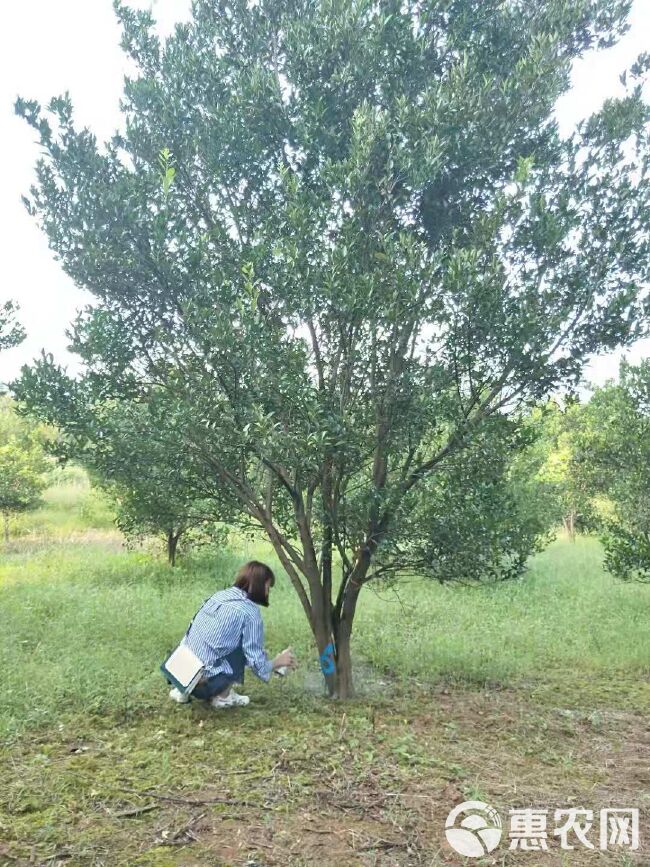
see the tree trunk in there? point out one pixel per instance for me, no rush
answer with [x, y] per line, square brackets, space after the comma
[345, 685]
[331, 625]
[570, 524]
[172, 545]
[6, 526]
[336, 661]
[320, 625]
[333, 633]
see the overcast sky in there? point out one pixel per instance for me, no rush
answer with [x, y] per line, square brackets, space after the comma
[50, 46]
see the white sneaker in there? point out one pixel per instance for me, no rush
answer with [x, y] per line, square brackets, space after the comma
[176, 695]
[233, 699]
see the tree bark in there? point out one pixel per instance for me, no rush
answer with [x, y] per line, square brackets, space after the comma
[326, 653]
[331, 625]
[345, 683]
[326, 548]
[334, 655]
[172, 545]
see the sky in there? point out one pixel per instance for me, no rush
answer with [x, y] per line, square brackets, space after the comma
[47, 48]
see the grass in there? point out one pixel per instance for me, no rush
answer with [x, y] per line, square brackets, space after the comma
[565, 613]
[85, 628]
[69, 506]
[533, 692]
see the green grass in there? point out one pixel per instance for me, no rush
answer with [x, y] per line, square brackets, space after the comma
[85, 630]
[526, 692]
[84, 627]
[69, 506]
[564, 613]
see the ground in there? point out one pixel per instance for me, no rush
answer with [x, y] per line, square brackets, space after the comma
[368, 783]
[527, 695]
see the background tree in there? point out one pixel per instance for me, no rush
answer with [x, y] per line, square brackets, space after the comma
[613, 456]
[145, 475]
[22, 463]
[141, 465]
[156, 508]
[11, 332]
[337, 242]
[551, 464]
[482, 518]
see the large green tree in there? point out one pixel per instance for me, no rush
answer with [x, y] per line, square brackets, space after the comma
[339, 242]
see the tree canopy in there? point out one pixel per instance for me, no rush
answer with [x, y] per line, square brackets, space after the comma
[339, 245]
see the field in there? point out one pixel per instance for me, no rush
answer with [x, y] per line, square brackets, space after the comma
[528, 694]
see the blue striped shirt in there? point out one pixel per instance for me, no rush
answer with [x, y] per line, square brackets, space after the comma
[227, 618]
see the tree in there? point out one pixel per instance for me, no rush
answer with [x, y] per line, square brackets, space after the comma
[149, 509]
[337, 243]
[22, 464]
[133, 460]
[482, 518]
[145, 475]
[11, 332]
[613, 456]
[551, 461]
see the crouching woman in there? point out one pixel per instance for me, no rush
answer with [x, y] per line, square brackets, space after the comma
[227, 634]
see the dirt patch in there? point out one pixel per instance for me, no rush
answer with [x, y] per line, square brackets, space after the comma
[362, 784]
[464, 746]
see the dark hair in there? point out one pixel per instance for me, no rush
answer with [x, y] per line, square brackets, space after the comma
[252, 578]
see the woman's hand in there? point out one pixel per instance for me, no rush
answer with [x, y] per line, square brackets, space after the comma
[286, 659]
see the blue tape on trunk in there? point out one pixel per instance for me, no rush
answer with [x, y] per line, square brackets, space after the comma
[327, 664]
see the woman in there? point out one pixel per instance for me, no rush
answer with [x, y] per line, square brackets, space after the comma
[227, 634]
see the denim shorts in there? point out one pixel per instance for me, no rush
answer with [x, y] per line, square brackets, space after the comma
[210, 686]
